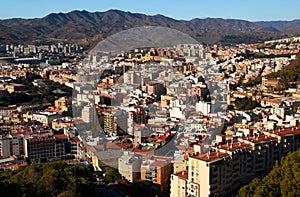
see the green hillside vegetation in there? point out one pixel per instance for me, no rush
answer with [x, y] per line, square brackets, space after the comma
[51, 179]
[283, 180]
[289, 73]
[246, 104]
[36, 95]
[83, 27]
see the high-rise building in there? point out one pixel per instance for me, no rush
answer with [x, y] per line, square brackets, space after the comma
[88, 114]
[40, 148]
[110, 124]
[47, 147]
[179, 182]
[5, 148]
[11, 145]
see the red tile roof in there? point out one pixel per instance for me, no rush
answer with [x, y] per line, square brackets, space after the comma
[211, 156]
[136, 150]
[287, 131]
[75, 139]
[183, 175]
[235, 145]
[259, 138]
[159, 163]
[61, 136]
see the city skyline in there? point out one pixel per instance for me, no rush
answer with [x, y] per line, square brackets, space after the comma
[254, 11]
[157, 98]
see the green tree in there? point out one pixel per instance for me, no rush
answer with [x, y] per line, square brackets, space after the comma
[283, 180]
[50, 179]
[246, 104]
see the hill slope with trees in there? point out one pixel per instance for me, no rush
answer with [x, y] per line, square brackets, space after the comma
[283, 180]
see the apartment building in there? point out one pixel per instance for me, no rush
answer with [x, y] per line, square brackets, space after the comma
[11, 145]
[77, 147]
[5, 150]
[40, 148]
[232, 163]
[157, 170]
[179, 182]
[110, 124]
[47, 147]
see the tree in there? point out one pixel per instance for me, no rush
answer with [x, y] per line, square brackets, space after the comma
[50, 179]
[246, 104]
[111, 175]
[283, 180]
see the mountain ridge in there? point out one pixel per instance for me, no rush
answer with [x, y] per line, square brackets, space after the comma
[86, 27]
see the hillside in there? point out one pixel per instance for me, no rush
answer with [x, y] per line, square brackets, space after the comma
[283, 180]
[86, 27]
[287, 27]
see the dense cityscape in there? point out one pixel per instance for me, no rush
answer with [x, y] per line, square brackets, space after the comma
[187, 120]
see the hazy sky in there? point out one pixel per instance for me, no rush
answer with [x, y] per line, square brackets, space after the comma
[252, 10]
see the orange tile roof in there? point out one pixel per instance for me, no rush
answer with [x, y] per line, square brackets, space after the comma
[159, 163]
[211, 156]
[136, 150]
[287, 131]
[75, 139]
[234, 145]
[61, 136]
[259, 138]
[183, 175]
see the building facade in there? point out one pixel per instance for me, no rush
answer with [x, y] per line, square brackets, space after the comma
[233, 163]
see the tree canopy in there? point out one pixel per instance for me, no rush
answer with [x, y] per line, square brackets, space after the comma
[283, 180]
[246, 104]
[50, 179]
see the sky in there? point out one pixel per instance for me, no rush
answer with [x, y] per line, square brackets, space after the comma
[252, 10]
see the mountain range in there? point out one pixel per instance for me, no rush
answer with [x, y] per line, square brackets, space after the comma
[84, 27]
